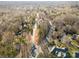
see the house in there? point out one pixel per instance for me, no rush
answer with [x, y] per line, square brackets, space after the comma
[74, 36]
[77, 54]
[59, 52]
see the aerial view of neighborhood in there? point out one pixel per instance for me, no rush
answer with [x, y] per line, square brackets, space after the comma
[39, 29]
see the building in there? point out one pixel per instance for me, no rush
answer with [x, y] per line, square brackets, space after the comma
[59, 52]
[77, 54]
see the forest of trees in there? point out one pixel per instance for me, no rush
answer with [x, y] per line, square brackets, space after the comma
[40, 32]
